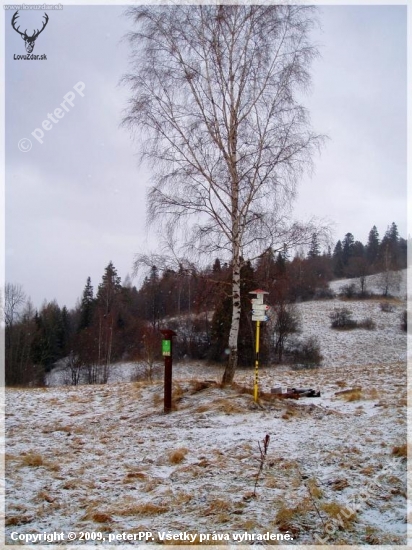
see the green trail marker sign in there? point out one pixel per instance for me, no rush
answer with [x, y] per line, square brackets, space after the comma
[166, 348]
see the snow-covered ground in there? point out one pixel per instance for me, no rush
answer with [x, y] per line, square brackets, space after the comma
[400, 281]
[107, 459]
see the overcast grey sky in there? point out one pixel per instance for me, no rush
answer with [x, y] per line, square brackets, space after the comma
[77, 201]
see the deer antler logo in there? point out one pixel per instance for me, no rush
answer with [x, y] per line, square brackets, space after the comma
[29, 41]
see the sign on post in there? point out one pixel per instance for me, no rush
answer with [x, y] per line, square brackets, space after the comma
[167, 354]
[259, 310]
[166, 348]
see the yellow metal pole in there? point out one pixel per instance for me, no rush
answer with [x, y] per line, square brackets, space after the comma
[256, 385]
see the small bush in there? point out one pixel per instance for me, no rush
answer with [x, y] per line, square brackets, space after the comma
[387, 307]
[342, 319]
[324, 294]
[404, 321]
[353, 292]
[349, 291]
[306, 352]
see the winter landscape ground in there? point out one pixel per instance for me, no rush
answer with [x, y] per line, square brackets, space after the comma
[106, 459]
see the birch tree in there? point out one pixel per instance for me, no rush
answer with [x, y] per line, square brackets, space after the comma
[214, 107]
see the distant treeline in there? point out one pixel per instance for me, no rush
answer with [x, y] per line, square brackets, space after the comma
[120, 322]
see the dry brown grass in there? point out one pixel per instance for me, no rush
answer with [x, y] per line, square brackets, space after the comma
[178, 455]
[285, 518]
[43, 495]
[151, 485]
[101, 517]
[356, 395]
[339, 484]
[218, 505]
[70, 484]
[340, 513]
[274, 483]
[290, 412]
[157, 399]
[146, 509]
[314, 488]
[248, 525]
[177, 392]
[182, 498]
[368, 470]
[32, 459]
[227, 406]
[202, 408]
[18, 519]
[131, 476]
[242, 390]
[189, 471]
[400, 451]
[200, 385]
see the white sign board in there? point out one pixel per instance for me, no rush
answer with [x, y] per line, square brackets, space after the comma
[260, 307]
[260, 318]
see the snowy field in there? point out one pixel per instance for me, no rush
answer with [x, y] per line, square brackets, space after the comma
[107, 459]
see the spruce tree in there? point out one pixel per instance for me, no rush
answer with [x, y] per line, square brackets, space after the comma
[314, 250]
[347, 248]
[337, 258]
[86, 306]
[372, 247]
[109, 289]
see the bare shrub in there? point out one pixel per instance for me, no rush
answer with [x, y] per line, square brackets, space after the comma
[349, 291]
[306, 353]
[387, 307]
[263, 453]
[353, 292]
[287, 322]
[342, 319]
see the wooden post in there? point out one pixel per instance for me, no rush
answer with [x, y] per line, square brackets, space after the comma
[167, 350]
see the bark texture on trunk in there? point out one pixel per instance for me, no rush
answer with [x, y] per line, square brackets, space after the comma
[230, 370]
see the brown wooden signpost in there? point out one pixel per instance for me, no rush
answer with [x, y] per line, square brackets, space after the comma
[167, 349]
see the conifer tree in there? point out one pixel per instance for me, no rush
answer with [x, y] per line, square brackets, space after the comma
[314, 250]
[109, 289]
[338, 267]
[372, 247]
[87, 306]
[347, 248]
